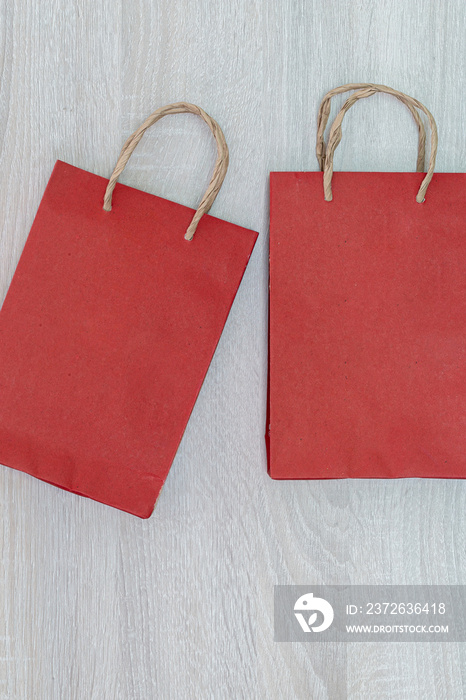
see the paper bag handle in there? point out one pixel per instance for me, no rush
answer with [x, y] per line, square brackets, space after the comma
[324, 114]
[220, 168]
[335, 137]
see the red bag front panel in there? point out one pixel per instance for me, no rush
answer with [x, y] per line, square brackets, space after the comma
[106, 334]
[367, 327]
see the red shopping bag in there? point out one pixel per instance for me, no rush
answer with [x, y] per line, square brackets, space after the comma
[367, 319]
[108, 329]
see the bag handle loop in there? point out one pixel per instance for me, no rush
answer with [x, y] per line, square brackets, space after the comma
[324, 114]
[220, 168]
[336, 134]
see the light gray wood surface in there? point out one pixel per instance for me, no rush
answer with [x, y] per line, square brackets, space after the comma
[95, 603]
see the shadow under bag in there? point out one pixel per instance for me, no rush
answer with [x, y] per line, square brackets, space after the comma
[367, 317]
[108, 329]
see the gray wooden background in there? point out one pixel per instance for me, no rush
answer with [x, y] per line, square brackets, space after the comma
[95, 603]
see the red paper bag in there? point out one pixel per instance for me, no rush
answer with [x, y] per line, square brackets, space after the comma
[108, 329]
[367, 320]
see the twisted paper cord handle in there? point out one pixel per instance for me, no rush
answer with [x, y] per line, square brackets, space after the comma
[220, 168]
[336, 134]
[324, 114]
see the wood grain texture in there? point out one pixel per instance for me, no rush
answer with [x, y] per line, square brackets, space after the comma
[94, 603]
